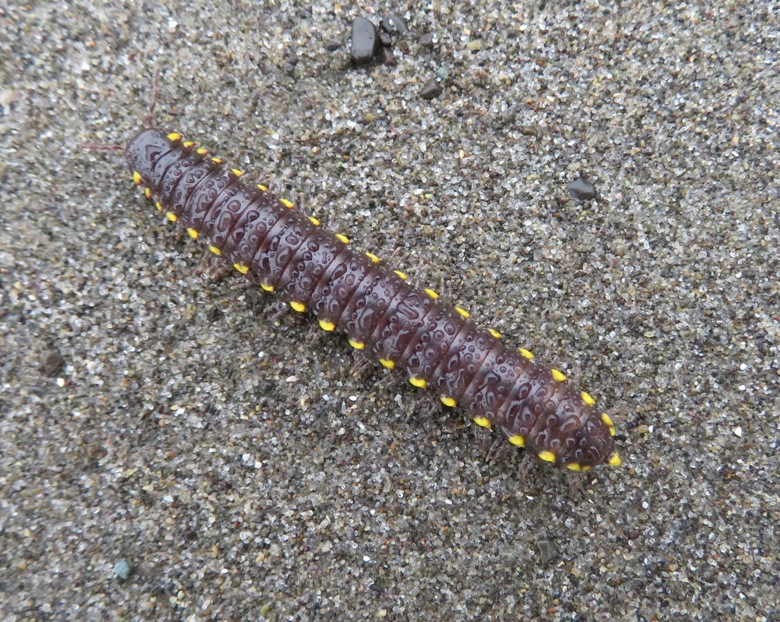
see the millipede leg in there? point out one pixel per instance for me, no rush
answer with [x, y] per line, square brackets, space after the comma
[435, 409]
[153, 98]
[269, 182]
[526, 464]
[575, 482]
[496, 448]
[297, 199]
[388, 380]
[483, 438]
[281, 311]
[360, 366]
[205, 260]
[314, 335]
[444, 288]
[241, 284]
[214, 271]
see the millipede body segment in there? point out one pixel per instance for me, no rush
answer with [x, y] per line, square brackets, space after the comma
[403, 327]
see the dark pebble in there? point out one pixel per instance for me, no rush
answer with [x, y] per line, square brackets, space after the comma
[547, 552]
[365, 41]
[509, 116]
[581, 190]
[431, 89]
[394, 25]
[529, 130]
[332, 46]
[53, 362]
[426, 40]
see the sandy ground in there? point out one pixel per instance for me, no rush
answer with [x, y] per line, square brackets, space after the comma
[169, 451]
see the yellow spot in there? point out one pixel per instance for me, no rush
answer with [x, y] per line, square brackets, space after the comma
[202, 151]
[557, 376]
[585, 468]
[241, 268]
[136, 177]
[463, 312]
[606, 419]
[262, 187]
[158, 205]
[343, 238]
[286, 203]
[174, 136]
[587, 398]
[373, 257]
[192, 233]
[495, 333]
[216, 160]
[547, 456]
[268, 288]
[314, 221]
[418, 382]
[574, 467]
[517, 440]
[215, 250]
[482, 422]
[148, 193]
[188, 144]
[526, 353]
[432, 293]
[171, 216]
[614, 460]
[298, 306]
[400, 275]
[387, 363]
[448, 401]
[236, 172]
[612, 431]
[358, 345]
[327, 325]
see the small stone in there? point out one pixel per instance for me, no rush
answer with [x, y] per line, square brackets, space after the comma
[394, 25]
[547, 551]
[122, 569]
[529, 130]
[581, 190]
[365, 42]
[426, 40]
[7, 98]
[7, 260]
[474, 45]
[442, 73]
[431, 89]
[53, 362]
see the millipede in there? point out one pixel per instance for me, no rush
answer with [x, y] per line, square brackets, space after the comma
[408, 329]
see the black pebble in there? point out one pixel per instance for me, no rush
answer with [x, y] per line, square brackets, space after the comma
[394, 25]
[431, 89]
[581, 189]
[547, 551]
[426, 40]
[365, 41]
[53, 362]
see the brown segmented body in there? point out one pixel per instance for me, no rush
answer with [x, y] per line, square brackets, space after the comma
[404, 327]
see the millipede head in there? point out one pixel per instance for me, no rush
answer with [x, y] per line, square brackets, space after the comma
[144, 150]
[595, 445]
